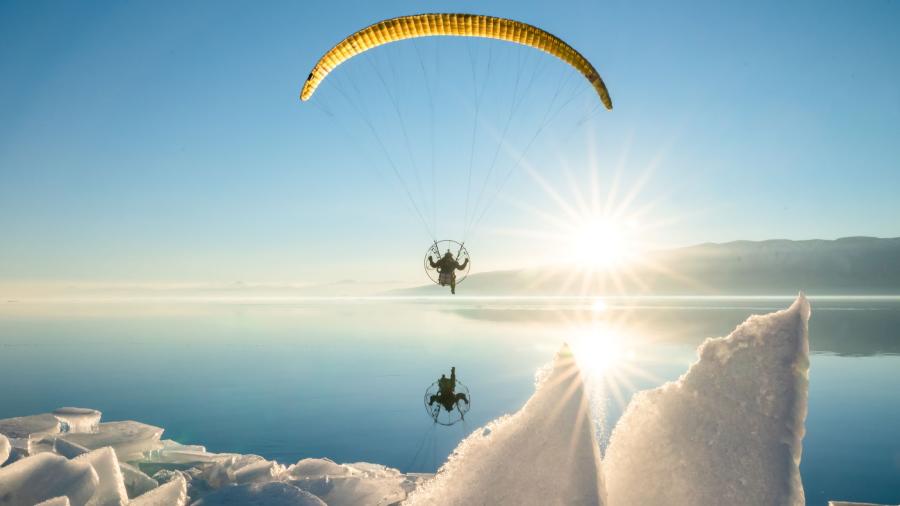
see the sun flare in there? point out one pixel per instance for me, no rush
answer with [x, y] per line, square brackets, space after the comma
[601, 243]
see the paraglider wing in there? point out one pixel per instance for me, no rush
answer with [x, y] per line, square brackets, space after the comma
[457, 25]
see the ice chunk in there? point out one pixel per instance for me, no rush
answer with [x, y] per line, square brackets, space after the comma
[173, 493]
[353, 490]
[225, 471]
[258, 472]
[5, 448]
[136, 481]
[728, 431]
[372, 470]
[348, 484]
[78, 419]
[316, 468]
[56, 501]
[111, 489]
[269, 494]
[45, 476]
[545, 454]
[24, 431]
[172, 452]
[25, 426]
[129, 439]
[67, 449]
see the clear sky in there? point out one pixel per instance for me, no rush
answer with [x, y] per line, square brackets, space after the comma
[164, 142]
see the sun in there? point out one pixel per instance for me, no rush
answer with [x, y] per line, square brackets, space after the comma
[601, 243]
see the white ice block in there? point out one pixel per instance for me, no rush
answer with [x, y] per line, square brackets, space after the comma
[129, 439]
[45, 476]
[353, 490]
[173, 493]
[111, 489]
[172, 452]
[68, 449]
[24, 431]
[136, 481]
[269, 494]
[545, 454]
[56, 501]
[258, 472]
[729, 431]
[224, 471]
[78, 419]
[5, 449]
[316, 468]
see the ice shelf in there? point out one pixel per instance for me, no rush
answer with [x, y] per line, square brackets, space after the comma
[729, 431]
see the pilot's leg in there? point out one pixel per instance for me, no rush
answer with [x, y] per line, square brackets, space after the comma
[453, 285]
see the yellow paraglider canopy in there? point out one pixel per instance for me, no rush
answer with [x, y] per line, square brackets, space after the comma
[456, 25]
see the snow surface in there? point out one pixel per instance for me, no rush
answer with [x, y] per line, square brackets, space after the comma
[111, 488]
[45, 476]
[545, 454]
[78, 419]
[729, 431]
[173, 493]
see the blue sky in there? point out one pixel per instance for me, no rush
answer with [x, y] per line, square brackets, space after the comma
[164, 141]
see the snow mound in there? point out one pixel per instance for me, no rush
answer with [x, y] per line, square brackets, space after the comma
[5, 449]
[129, 439]
[46, 476]
[111, 488]
[173, 493]
[545, 454]
[728, 431]
[269, 494]
[78, 419]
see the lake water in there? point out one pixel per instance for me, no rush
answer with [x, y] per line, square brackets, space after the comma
[344, 379]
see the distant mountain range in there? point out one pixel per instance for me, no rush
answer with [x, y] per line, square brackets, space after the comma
[847, 266]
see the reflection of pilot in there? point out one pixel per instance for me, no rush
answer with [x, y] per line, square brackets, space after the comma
[446, 395]
[447, 267]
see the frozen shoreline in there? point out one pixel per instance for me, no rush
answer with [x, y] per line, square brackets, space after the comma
[543, 454]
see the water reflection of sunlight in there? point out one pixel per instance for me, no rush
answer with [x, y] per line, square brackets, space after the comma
[615, 354]
[599, 350]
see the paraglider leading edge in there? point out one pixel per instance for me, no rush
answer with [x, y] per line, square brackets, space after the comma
[454, 25]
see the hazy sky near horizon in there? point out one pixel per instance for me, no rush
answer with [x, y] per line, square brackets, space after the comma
[165, 142]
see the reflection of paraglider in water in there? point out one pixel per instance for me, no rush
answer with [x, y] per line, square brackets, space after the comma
[502, 150]
[446, 265]
[447, 400]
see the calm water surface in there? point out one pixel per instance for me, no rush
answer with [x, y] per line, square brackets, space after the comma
[345, 379]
